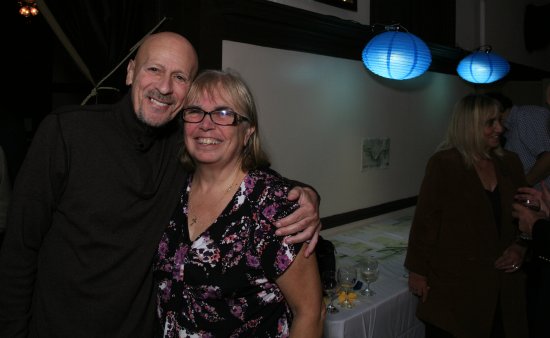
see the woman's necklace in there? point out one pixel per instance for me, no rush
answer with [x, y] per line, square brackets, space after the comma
[195, 218]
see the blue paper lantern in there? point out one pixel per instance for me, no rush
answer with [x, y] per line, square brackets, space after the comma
[397, 55]
[483, 67]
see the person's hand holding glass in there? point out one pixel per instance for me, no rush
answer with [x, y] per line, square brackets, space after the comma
[369, 274]
[537, 204]
[347, 277]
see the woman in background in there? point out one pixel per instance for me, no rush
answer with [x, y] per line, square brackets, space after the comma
[221, 271]
[462, 256]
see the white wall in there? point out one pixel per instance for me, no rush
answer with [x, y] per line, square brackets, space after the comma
[315, 110]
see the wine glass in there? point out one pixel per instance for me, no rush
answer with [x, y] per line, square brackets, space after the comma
[533, 205]
[347, 277]
[369, 273]
[330, 285]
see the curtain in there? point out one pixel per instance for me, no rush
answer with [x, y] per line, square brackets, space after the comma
[103, 32]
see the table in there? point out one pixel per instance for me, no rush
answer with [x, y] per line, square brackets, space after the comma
[390, 313]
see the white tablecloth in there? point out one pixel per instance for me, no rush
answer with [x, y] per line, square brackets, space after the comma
[390, 313]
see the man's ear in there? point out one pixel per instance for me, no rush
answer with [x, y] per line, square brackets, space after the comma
[130, 72]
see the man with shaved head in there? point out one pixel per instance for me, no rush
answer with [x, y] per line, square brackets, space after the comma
[91, 201]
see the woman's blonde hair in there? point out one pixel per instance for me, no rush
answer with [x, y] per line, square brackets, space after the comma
[231, 87]
[465, 131]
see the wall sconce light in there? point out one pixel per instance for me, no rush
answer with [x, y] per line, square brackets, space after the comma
[396, 55]
[28, 8]
[483, 66]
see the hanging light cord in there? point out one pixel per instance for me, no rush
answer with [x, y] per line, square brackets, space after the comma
[387, 27]
[97, 87]
[485, 48]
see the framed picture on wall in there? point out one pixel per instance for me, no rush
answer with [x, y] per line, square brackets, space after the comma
[346, 4]
[375, 153]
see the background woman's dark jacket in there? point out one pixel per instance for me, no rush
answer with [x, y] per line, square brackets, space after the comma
[455, 242]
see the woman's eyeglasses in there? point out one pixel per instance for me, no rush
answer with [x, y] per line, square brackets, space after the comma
[221, 117]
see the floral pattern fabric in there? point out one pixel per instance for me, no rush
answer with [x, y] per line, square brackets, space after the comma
[223, 283]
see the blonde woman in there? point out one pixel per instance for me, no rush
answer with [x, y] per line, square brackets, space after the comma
[463, 258]
[220, 270]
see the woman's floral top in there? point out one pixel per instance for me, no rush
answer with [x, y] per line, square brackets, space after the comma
[223, 283]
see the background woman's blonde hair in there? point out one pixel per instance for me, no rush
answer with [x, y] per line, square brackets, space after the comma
[232, 88]
[465, 131]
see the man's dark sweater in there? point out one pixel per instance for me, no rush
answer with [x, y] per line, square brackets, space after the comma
[90, 203]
